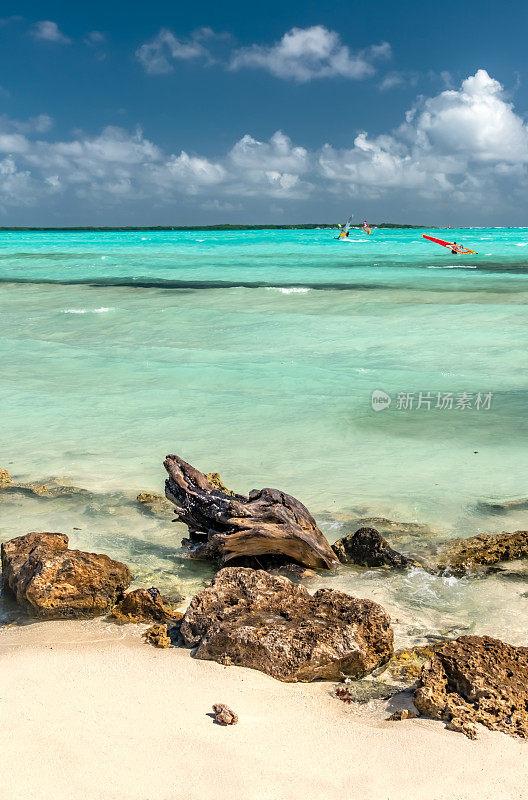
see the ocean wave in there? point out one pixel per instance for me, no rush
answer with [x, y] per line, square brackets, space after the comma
[101, 310]
[455, 266]
[288, 289]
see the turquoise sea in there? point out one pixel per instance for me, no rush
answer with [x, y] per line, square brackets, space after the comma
[255, 354]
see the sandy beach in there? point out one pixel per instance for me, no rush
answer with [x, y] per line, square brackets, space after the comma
[89, 710]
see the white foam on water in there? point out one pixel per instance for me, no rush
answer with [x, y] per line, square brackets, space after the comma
[289, 289]
[521, 244]
[101, 310]
[455, 266]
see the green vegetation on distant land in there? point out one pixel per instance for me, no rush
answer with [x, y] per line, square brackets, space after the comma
[307, 226]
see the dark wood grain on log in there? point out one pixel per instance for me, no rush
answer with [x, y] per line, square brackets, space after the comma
[226, 526]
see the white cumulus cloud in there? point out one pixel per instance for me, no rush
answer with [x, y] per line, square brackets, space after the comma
[463, 148]
[459, 144]
[302, 54]
[307, 53]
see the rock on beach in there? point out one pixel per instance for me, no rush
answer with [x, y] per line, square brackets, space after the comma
[51, 581]
[250, 618]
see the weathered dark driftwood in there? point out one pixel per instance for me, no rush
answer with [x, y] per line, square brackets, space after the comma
[223, 525]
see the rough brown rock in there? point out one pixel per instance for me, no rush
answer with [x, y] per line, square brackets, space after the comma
[158, 636]
[50, 581]
[252, 619]
[461, 555]
[404, 713]
[223, 715]
[5, 478]
[367, 548]
[142, 605]
[224, 525]
[476, 679]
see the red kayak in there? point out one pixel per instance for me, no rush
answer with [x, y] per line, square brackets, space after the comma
[450, 245]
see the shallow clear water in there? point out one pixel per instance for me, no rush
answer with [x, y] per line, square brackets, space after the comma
[255, 354]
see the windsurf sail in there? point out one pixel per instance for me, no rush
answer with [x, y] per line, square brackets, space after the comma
[345, 229]
[366, 226]
[453, 246]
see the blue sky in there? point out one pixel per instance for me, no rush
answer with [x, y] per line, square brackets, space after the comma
[175, 113]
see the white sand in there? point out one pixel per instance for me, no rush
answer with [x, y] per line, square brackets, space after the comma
[89, 711]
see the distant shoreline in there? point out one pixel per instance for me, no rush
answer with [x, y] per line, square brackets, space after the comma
[307, 226]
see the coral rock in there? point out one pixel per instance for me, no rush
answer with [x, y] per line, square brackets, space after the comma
[461, 555]
[158, 636]
[252, 619]
[5, 478]
[224, 715]
[404, 713]
[476, 679]
[52, 582]
[144, 604]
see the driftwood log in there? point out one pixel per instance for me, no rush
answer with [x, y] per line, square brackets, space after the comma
[224, 525]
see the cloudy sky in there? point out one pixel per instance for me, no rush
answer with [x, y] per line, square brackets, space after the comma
[176, 113]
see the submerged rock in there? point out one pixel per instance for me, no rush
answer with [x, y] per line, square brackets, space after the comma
[399, 530]
[252, 619]
[223, 715]
[50, 489]
[461, 555]
[223, 525]
[142, 605]
[155, 504]
[367, 548]
[50, 581]
[476, 679]
[398, 674]
[158, 636]
[503, 506]
[406, 665]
